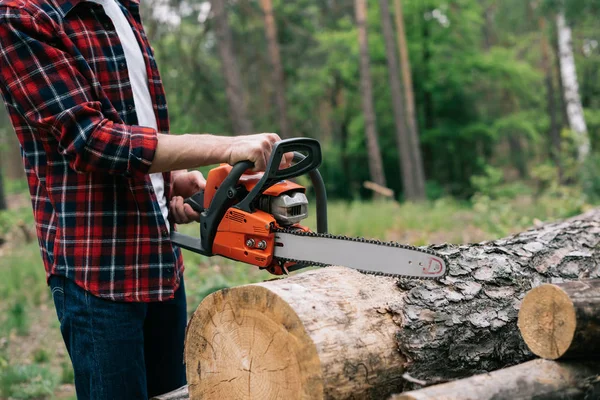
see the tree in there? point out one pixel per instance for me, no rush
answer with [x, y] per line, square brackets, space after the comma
[571, 87]
[236, 97]
[555, 141]
[366, 91]
[277, 72]
[409, 98]
[412, 190]
[3, 205]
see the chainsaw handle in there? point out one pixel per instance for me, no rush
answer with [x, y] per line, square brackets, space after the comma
[311, 161]
[273, 174]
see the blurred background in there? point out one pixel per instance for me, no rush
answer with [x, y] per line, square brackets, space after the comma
[441, 121]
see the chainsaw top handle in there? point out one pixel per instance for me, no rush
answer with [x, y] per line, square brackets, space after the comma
[273, 174]
[225, 196]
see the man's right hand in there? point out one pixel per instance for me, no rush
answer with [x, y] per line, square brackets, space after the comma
[256, 148]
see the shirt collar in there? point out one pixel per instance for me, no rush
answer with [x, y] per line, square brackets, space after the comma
[68, 5]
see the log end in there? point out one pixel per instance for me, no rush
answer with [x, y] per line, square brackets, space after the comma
[547, 321]
[249, 343]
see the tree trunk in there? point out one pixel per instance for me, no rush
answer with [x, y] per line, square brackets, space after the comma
[562, 320]
[234, 88]
[277, 73]
[536, 379]
[555, 141]
[571, 88]
[3, 205]
[403, 141]
[366, 91]
[428, 111]
[336, 333]
[409, 98]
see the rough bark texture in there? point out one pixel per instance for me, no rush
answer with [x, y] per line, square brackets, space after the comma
[275, 57]
[233, 82]
[537, 379]
[409, 98]
[562, 320]
[403, 141]
[467, 323]
[336, 333]
[366, 92]
[571, 87]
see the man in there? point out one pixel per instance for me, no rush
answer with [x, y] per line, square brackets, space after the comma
[85, 98]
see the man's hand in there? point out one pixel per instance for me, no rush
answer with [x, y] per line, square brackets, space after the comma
[177, 152]
[185, 184]
[256, 148]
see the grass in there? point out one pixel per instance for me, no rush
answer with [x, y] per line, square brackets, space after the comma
[34, 363]
[27, 382]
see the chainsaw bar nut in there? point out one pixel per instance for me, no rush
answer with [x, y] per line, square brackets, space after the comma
[250, 243]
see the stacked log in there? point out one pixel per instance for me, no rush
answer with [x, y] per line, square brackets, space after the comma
[536, 379]
[336, 333]
[562, 320]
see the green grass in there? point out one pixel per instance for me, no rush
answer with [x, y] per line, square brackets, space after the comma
[27, 382]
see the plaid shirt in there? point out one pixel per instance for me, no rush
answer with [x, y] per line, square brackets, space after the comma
[64, 79]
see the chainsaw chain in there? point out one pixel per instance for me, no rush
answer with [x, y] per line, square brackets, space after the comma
[298, 232]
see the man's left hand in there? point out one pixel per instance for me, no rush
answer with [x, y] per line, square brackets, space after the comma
[185, 184]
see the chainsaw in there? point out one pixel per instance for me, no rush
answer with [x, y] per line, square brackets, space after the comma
[255, 218]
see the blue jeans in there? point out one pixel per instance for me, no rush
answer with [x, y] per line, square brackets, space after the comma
[121, 350]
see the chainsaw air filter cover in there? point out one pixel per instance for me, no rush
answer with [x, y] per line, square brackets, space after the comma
[288, 208]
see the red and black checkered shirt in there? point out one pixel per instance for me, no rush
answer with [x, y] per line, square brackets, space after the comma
[64, 79]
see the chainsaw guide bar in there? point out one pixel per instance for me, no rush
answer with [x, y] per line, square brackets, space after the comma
[427, 264]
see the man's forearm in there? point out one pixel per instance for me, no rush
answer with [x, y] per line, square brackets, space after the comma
[181, 152]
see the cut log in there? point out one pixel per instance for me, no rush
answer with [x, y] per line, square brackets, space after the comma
[336, 333]
[562, 320]
[536, 379]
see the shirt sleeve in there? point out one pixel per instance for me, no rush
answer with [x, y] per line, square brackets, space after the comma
[42, 82]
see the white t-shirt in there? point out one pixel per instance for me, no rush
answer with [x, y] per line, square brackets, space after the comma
[138, 77]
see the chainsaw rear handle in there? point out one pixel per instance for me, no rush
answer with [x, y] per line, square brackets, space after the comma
[226, 194]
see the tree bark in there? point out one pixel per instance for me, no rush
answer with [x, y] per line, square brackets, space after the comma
[562, 320]
[277, 73]
[571, 88]
[409, 98]
[234, 88]
[336, 333]
[403, 141]
[536, 379]
[366, 91]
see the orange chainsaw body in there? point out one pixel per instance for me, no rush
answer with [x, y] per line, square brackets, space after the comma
[239, 233]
